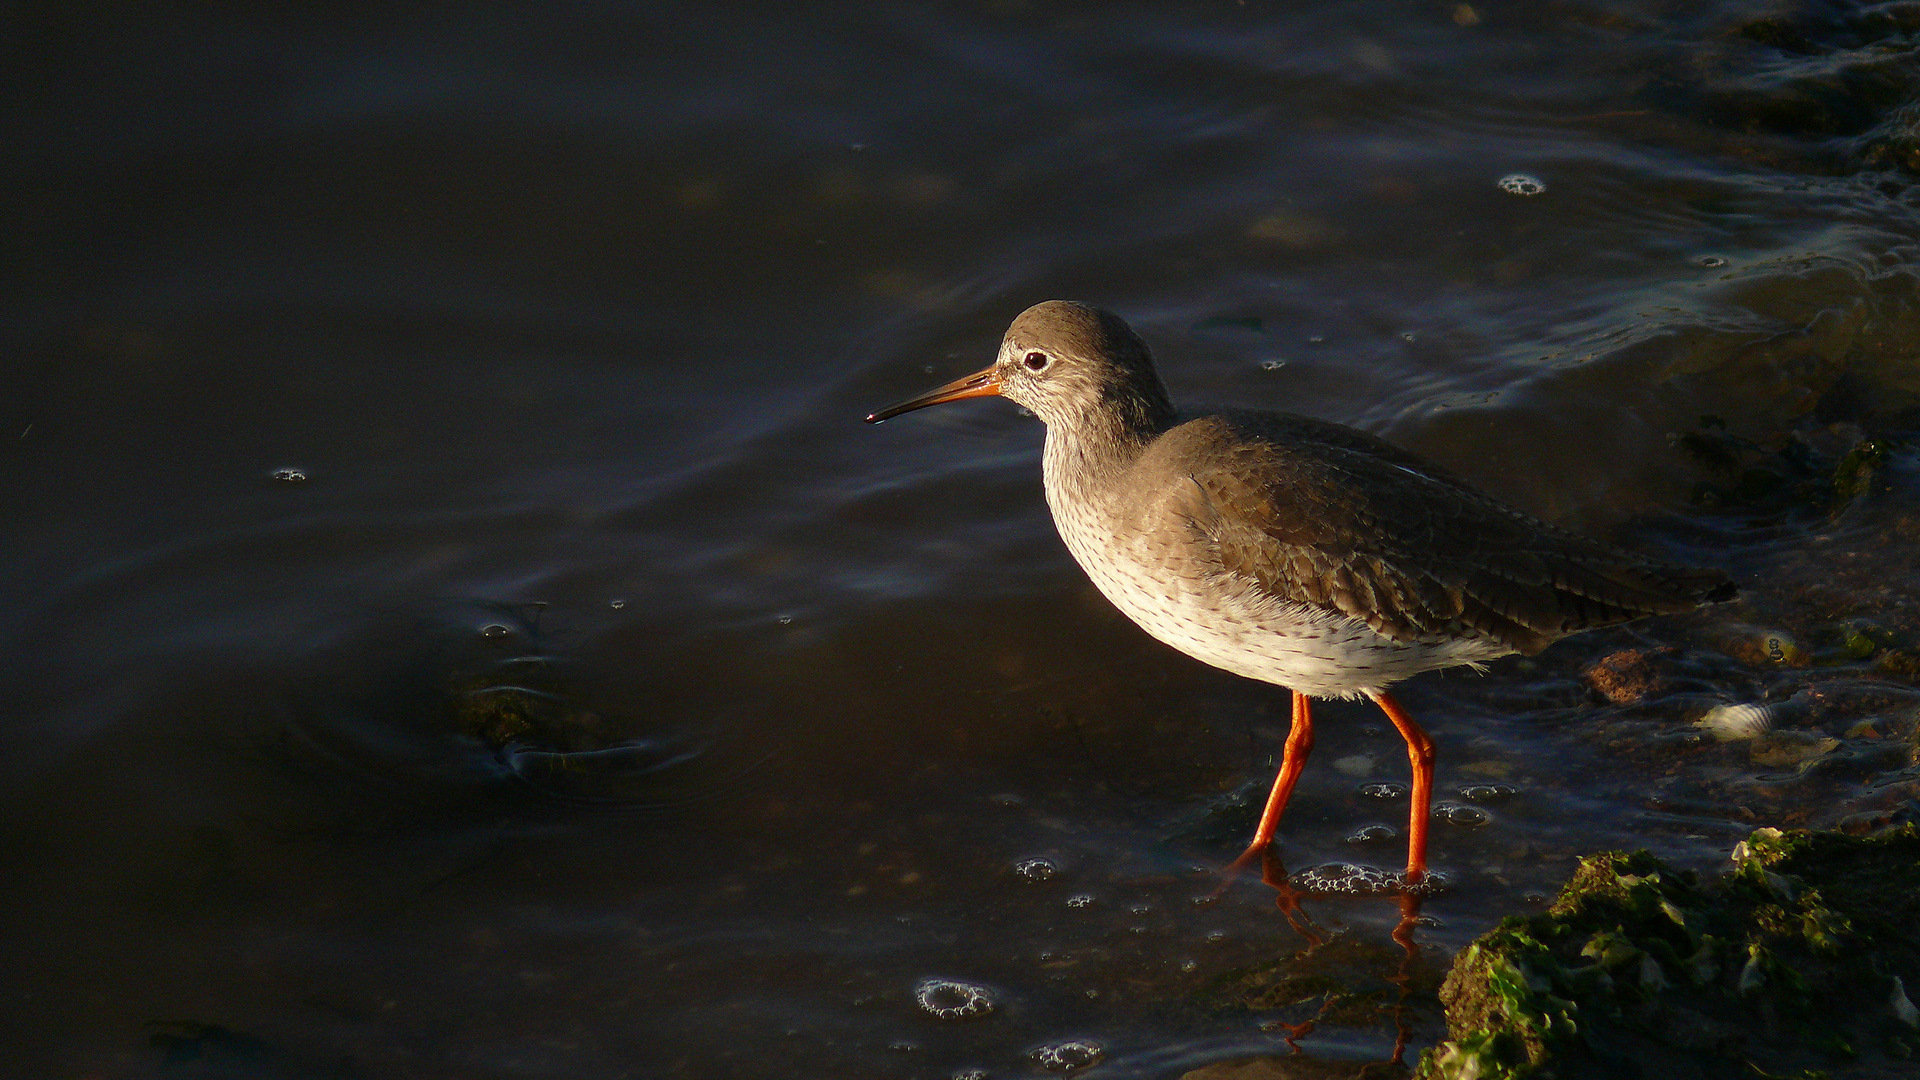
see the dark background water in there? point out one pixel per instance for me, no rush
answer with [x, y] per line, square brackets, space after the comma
[459, 626]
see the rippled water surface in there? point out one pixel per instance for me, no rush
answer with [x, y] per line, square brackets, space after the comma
[460, 627]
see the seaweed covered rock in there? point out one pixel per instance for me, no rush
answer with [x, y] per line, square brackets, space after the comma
[1797, 963]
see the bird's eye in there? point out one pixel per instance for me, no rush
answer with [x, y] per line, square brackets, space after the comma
[1037, 361]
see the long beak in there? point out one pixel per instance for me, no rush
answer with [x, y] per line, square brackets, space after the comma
[979, 384]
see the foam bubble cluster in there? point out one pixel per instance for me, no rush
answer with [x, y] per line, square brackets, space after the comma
[1488, 793]
[951, 999]
[1036, 869]
[1365, 881]
[1069, 1055]
[1521, 184]
[1343, 878]
[1384, 789]
[1460, 814]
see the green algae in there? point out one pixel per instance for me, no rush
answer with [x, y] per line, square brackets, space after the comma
[1794, 964]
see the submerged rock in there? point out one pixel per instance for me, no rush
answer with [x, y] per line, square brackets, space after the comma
[1795, 962]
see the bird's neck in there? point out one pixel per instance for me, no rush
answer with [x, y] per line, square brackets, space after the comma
[1083, 458]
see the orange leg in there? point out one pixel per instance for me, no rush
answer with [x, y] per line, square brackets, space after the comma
[1292, 760]
[1420, 753]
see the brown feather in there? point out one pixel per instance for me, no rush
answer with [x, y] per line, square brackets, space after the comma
[1322, 515]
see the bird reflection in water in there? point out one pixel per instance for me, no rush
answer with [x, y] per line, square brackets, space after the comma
[1288, 897]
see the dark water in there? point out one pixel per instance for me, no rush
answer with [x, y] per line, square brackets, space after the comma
[460, 627]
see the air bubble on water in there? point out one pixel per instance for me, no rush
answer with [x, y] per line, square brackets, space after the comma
[1383, 789]
[1365, 881]
[1711, 262]
[1460, 814]
[951, 999]
[1408, 336]
[616, 604]
[495, 630]
[290, 476]
[1079, 900]
[1274, 364]
[1488, 793]
[1372, 834]
[786, 620]
[1036, 869]
[1344, 878]
[1317, 339]
[1067, 1056]
[1216, 935]
[970, 1074]
[1521, 184]
[1140, 909]
[1189, 966]
[903, 1046]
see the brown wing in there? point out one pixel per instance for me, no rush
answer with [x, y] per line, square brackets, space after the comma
[1327, 516]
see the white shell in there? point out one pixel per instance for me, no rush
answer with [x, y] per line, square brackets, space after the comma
[1728, 723]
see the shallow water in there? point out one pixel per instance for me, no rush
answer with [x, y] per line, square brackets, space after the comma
[461, 626]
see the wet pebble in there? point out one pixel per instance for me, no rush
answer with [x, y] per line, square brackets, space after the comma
[1791, 749]
[1631, 676]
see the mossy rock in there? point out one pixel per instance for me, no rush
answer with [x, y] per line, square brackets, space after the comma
[1798, 963]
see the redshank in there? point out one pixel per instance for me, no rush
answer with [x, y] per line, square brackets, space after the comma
[1292, 550]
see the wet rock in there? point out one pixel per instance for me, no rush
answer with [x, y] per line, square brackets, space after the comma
[1860, 473]
[1786, 965]
[1630, 676]
[1766, 647]
[1790, 749]
[1638, 677]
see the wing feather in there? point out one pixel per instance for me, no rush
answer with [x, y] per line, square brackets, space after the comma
[1312, 513]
